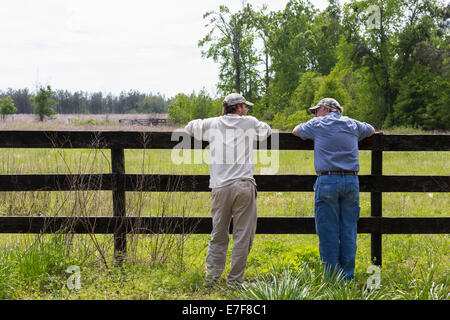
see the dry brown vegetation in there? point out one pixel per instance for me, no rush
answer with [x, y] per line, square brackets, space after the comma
[82, 122]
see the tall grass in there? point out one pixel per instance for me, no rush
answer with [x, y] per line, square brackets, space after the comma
[38, 266]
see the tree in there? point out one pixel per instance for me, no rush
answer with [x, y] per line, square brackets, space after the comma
[230, 43]
[326, 30]
[43, 103]
[196, 106]
[408, 31]
[152, 104]
[7, 107]
[373, 46]
[423, 100]
[304, 95]
[264, 24]
[290, 50]
[21, 98]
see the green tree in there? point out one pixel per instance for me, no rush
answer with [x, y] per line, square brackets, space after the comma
[7, 107]
[373, 42]
[230, 43]
[43, 103]
[204, 106]
[180, 109]
[184, 108]
[301, 100]
[152, 104]
[264, 24]
[333, 88]
[303, 96]
[326, 30]
[423, 100]
[387, 52]
[289, 49]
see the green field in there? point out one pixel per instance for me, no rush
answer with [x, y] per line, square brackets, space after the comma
[172, 266]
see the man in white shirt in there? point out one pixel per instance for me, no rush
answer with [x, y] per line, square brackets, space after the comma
[231, 139]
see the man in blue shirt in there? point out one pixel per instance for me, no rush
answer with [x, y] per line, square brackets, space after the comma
[336, 203]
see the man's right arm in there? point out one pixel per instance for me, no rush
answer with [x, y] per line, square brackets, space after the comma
[304, 131]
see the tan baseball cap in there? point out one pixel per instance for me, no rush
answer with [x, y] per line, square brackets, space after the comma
[234, 99]
[327, 102]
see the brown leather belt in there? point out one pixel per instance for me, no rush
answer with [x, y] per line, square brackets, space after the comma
[325, 173]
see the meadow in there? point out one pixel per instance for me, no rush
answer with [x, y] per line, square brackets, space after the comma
[172, 266]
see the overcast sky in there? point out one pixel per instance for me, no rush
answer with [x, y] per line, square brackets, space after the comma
[110, 46]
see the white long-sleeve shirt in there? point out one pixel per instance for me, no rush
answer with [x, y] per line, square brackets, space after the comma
[231, 139]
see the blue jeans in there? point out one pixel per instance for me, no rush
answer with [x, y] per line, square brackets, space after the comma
[336, 211]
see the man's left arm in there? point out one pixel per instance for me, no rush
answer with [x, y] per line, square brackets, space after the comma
[263, 130]
[198, 129]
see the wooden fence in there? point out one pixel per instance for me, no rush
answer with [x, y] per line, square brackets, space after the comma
[119, 183]
[146, 122]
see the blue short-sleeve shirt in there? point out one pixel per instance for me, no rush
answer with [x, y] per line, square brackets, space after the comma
[335, 141]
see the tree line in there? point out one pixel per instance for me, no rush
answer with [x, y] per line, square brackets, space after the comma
[80, 102]
[386, 62]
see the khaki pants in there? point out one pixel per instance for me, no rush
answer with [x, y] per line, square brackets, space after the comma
[237, 201]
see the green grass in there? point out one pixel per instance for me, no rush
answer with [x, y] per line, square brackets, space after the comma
[172, 266]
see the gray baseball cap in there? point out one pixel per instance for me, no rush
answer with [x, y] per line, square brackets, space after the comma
[235, 98]
[327, 102]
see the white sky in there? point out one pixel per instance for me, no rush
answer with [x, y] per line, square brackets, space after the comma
[110, 45]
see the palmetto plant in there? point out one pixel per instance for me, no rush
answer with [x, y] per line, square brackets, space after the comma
[309, 282]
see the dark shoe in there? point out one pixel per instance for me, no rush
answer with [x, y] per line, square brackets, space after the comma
[210, 282]
[234, 284]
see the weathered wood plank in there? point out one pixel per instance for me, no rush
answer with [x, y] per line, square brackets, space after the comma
[410, 142]
[169, 140]
[376, 208]
[203, 225]
[119, 203]
[200, 183]
[55, 182]
[95, 139]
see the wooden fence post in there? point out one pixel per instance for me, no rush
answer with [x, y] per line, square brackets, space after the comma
[376, 204]
[119, 203]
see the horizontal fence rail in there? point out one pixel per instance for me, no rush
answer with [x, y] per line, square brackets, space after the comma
[119, 183]
[169, 140]
[202, 225]
[199, 183]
